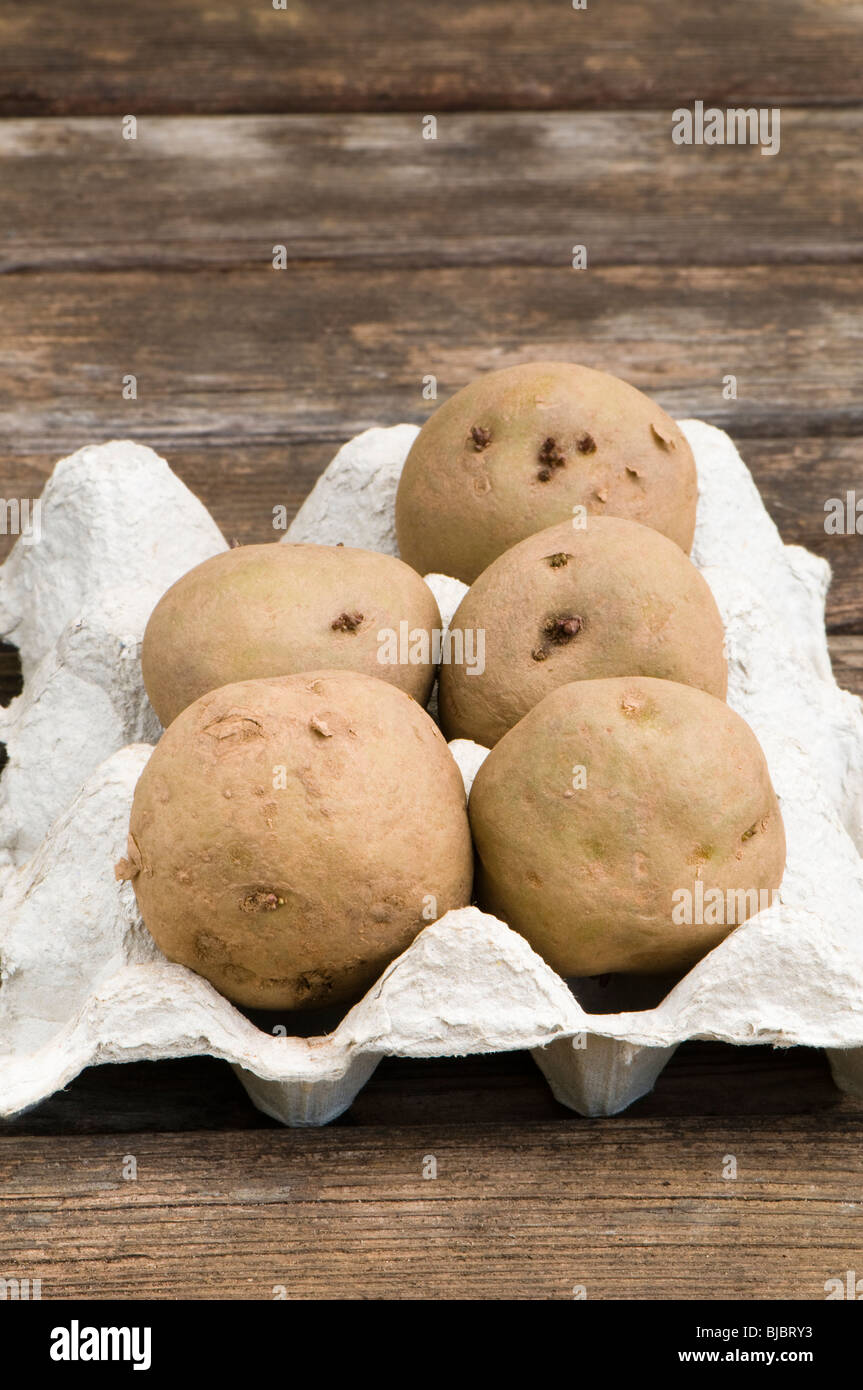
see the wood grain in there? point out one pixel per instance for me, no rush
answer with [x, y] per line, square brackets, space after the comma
[633, 1209]
[517, 189]
[258, 355]
[796, 478]
[242, 55]
[846, 654]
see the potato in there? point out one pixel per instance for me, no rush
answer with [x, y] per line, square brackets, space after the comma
[613, 599]
[517, 450]
[278, 609]
[612, 805]
[289, 837]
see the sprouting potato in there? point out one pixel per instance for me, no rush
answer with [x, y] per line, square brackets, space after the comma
[613, 598]
[520, 449]
[611, 806]
[290, 836]
[279, 609]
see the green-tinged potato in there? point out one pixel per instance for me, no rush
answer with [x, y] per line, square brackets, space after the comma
[277, 610]
[289, 837]
[567, 604]
[519, 449]
[626, 825]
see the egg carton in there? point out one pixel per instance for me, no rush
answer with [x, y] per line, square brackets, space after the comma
[82, 981]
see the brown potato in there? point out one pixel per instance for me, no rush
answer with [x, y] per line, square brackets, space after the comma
[517, 450]
[613, 599]
[608, 804]
[289, 837]
[279, 609]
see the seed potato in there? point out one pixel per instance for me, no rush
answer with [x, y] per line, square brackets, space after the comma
[609, 800]
[613, 599]
[518, 449]
[279, 609]
[290, 836]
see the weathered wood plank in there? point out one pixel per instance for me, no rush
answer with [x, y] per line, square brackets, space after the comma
[796, 478]
[260, 355]
[846, 654]
[625, 1208]
[503, 188]
[241, 55]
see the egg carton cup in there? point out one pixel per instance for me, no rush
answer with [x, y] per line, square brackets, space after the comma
[81, 980]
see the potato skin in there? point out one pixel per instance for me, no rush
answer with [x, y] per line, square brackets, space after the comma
[277, 610]
[517, 449]
[614, 599]
[297, 896]
[677, 790]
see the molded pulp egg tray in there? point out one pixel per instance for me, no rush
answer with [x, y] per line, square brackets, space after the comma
[82, 982]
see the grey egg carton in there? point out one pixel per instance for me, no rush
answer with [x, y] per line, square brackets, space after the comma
[81, 980]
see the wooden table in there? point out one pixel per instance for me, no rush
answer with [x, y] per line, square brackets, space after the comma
[406, 257]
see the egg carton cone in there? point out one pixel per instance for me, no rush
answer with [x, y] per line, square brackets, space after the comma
[83, 983]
